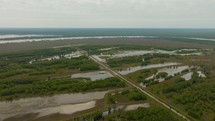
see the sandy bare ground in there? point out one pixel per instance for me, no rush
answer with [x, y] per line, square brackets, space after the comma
[14, 47]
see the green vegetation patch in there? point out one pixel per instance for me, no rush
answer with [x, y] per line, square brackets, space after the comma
[38, 53]
[130, 95]
[195, 97]
[143, 114]
[14, 89]
[116, 62]
[47, 68]
[141, 75]
[134, 95]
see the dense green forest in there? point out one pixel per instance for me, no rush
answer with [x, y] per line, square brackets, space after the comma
[196, 97]
[14, 89]
[128, 95]
[46, 67]
[193, 96]
[26, 55]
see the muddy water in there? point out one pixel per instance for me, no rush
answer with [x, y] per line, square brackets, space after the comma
[47, 105]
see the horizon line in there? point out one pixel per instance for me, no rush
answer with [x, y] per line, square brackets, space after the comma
[98, 28]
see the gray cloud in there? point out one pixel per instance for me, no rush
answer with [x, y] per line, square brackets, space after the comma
[107, 13]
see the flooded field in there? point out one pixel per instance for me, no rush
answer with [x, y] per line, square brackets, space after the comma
[64, 103]
[137, 68]
[172, 70]
[93, 76]
[75, 54]
[130, 53]
[125, 108]
[122, 54]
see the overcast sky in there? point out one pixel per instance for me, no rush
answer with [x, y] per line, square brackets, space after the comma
[107, 13]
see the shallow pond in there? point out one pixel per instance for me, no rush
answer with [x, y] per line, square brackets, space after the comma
[65, 109]
[125, 108]
[187, 76]
[47, 105]
[172, 70]
[93, 76]
[201, 74]
[137, 68]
